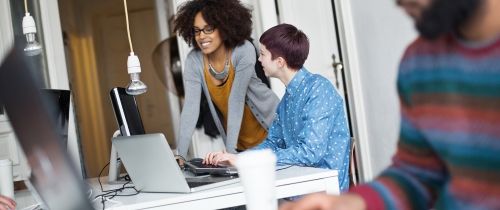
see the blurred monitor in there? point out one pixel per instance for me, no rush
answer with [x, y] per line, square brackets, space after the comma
[52, 174]
[60, 99]
[126, 112]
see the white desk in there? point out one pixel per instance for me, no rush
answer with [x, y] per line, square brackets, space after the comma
[290, 182]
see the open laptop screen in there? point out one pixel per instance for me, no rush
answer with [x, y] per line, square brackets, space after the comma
[52, 174]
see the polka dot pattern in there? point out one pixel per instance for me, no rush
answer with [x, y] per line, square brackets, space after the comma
[310, 127]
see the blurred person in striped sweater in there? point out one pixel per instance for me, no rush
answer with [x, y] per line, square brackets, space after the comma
[448, 154]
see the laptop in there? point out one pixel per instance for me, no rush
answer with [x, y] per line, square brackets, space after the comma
[152, 167]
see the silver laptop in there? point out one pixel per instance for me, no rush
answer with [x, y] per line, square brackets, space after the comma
[152, 167]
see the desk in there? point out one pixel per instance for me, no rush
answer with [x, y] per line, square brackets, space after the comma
[289, 182]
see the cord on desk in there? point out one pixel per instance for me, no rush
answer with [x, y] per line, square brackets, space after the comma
[279, 169]
[108, 195]
[99, 177]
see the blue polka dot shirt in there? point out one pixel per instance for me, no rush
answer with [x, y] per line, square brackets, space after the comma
[310, 127]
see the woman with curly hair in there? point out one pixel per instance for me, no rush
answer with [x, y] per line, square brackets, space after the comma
[221, 65]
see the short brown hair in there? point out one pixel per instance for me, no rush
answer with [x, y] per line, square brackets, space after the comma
[288, 42]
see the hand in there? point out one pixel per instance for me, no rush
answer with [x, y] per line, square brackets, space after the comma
[7, 203]
[321, 201]
[180, 161]
[219, 158]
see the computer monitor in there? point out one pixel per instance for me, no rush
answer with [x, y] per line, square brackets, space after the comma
[126, 112]
[60, 99]
[129, 122]
[52, 173]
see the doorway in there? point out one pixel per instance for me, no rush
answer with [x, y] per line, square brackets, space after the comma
[97, 50]
[320, 23]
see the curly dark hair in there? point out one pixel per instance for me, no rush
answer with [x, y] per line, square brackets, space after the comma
[230, 17]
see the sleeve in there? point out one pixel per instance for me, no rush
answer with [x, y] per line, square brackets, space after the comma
[244, 64]
[191, 108]
[416, 173]
[312, 139]
[274, 139]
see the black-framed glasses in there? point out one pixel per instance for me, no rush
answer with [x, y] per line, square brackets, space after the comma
[208, 29]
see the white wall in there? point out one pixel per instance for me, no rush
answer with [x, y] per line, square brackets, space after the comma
[382, 32]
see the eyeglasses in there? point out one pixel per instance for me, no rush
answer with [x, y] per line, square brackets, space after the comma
[206, 30]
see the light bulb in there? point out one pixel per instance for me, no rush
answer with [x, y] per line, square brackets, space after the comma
[136, 86]
[29, 30]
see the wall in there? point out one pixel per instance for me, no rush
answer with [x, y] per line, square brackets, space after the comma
[382, 32]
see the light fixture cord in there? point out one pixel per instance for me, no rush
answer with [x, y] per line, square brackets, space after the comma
[128, 29]
[25, 6]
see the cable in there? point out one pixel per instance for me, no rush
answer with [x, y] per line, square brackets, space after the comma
[128, 27]
[110, 194]
[107, 195]
[279, 169]
[99, 177]
[285, 165]
[25, 6]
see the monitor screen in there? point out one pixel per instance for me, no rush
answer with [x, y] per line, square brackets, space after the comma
[126, 112]
[52, 173]
[60, 99]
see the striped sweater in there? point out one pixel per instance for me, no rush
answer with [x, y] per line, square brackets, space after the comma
[448, 154]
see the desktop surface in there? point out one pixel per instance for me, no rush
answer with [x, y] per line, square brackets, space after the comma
[291, 181]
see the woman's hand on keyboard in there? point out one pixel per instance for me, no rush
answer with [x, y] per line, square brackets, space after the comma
[219, 158]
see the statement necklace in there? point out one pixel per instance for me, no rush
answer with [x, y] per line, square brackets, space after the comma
[219, 75]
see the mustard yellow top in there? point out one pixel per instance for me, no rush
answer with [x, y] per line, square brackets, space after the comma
[251, 132]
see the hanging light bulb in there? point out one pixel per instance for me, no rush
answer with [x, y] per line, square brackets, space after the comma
[29, 30]
[136, 86]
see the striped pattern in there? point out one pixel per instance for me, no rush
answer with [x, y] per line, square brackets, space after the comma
[448, 154]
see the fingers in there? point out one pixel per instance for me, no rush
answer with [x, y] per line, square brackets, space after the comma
[317, 201]
[226, 159]
[321, 201]
[286, 206]
[7, 203]
[210, 157]
[218, 158]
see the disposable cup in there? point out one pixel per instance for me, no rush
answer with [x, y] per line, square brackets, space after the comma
[257, 172]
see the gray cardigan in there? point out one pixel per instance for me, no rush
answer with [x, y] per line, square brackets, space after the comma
[247, 88]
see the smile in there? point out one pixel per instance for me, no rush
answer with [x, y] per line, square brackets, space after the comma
[204, 44]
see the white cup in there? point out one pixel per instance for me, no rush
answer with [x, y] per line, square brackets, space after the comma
[257, 172]
[6, 182]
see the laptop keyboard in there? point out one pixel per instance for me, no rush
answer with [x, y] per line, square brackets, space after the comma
[199, 164]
